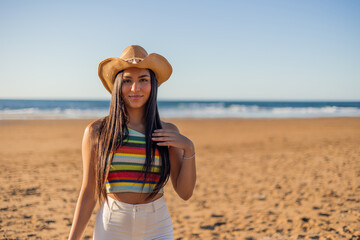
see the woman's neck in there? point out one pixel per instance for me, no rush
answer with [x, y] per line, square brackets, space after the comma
[136, 118]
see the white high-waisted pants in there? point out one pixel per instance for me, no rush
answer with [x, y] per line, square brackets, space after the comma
[126, 221]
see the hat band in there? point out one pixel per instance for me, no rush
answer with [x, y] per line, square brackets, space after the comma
[133, 60]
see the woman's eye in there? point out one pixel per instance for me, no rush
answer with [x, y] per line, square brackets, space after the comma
[126, 81]
[143, 80]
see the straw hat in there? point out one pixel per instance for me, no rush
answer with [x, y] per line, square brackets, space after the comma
[133, 56]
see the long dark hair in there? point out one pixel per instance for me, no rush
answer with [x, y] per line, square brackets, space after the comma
[113, 130]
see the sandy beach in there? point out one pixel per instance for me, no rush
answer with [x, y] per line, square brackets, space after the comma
[256, 179]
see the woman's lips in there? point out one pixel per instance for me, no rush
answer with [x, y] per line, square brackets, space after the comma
[135, 97]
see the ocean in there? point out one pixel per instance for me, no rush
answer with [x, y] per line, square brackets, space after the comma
[76, 109]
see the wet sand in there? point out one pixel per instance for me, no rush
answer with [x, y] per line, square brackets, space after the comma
[256, 179]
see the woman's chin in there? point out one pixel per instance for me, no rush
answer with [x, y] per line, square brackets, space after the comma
[136, 105]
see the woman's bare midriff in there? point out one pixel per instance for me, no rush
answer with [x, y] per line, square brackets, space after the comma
[133, 198]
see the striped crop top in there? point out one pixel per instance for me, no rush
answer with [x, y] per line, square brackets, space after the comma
[127, 166]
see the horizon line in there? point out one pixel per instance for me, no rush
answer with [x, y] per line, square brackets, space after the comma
[192, 100]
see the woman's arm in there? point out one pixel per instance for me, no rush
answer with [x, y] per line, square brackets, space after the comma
[183, 171]
[87, 199]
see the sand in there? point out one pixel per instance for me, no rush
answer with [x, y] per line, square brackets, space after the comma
[256, 179]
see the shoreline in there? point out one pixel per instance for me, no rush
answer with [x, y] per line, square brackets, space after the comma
[193, 118]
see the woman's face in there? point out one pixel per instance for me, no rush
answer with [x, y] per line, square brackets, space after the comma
[136, 87]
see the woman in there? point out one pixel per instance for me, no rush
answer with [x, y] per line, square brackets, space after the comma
[129, 155]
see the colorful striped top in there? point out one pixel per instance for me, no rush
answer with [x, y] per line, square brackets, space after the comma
[127, 166]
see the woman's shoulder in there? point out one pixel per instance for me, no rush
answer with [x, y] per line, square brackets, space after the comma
[94, 127]
[169, 126]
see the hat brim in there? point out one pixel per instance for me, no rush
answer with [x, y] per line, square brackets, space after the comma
[109, 67]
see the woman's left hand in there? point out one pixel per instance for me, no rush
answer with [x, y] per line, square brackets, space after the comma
[171, 138]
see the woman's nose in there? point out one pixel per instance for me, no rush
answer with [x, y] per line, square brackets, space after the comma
[135, 87]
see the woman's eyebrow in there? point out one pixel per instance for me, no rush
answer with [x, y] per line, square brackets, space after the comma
[144, 76]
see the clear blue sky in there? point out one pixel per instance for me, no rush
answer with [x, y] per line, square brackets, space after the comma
[238, 50]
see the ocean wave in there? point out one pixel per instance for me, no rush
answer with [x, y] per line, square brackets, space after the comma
[56, 113]
[242, 111]
[187, 110]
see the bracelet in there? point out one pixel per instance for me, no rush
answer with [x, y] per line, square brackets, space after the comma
[189, 157]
